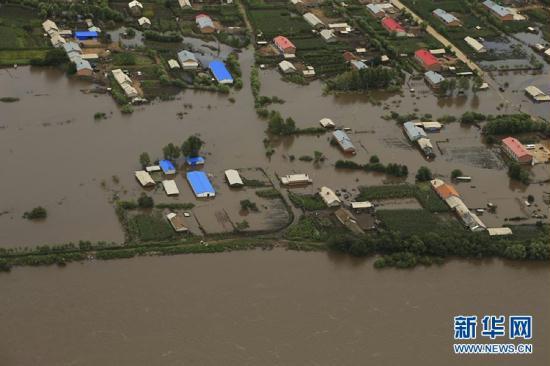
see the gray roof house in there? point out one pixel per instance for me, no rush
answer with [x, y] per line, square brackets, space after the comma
[413, 132]
[433, 78]
[344, 141]
[188, 60]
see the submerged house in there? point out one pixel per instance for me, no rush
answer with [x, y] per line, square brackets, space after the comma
[329, 197]
[167, 167]
[516, 151]
[233, 178]
[144, 178]
[343, 141]
[170, 187]
[295, 179]
[200, 184]
[413, 132]
[433, 79]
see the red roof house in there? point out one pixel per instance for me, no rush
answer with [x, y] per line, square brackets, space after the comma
[516, 151]
[392, 25]
[427, 60]
[284, 45]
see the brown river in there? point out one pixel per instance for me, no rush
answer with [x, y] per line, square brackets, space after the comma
[261, 308]
[243, 308]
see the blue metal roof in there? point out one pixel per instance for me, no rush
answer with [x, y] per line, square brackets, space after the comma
[167, 166]
[220, 72]
[85, 34]
[197, 160]
[200, 184]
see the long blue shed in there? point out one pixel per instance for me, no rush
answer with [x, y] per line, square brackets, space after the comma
[84, 35]
[220, 72]
[194, 161]
[200, 184]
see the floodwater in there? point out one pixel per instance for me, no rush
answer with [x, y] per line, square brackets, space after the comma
[56, 155]
[261, 308]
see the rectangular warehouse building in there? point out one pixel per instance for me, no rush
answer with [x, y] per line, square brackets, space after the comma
[200, 184]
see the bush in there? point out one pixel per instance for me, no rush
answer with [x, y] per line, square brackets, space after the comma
[247, 205]
[456, 173]
[516, 172]
[36, 213]
[307, 202]
[424, 174]
[145, 201]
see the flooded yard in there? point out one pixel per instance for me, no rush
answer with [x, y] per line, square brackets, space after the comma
[61, 158]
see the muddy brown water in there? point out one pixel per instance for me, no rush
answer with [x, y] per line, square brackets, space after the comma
[56, 155]
[261, 308]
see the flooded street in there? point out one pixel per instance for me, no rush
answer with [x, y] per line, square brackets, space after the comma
[261, 308]
[59, 157]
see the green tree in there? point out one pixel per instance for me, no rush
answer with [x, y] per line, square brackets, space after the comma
[456, 173]
[144, 201]
[171, 152]
[192, 146]
[515, 251]
[516, 172]
[36, 213]
[423, 174]
[144, 159]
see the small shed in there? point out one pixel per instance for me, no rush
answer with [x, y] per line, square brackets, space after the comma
[153, 168]
[200, 184]
[144, 22]
[173, 64]
[364, 205]
[194, 160]
[85, 35]
[286, 67]
[295, 179]
[233, 178]
[177, 221]
[167, 167]
[144, 178]
[170, 187]
[328, 35]
[327, 123]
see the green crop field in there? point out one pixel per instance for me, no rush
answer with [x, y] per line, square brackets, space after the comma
[20, 28]
[278, 21]
[410, 222]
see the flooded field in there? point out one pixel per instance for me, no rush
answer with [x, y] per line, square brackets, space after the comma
[261, 308]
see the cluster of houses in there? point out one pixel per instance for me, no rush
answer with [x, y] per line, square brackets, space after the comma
[416, 132]
[58, 39]
[449, 194]
[136, 9]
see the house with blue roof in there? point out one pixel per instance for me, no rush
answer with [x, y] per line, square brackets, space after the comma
[200, 184]
[167, 167]
[220, 72]
[194, 161]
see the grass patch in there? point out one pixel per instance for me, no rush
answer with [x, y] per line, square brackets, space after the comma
[306, 201]
[148, 227]
[421, 191]
[411, 221]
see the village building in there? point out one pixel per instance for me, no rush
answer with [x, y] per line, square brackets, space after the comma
[447, 18]
[86, 35]
[286, 67]
[177, 221]
[414, 132]
[57, 41]
[94, 29]
[170, 187]
[83, 67]
[328, 35]
[167, 167]
[220, 72]
[426, 146]
[313, 20]
[309, 71]
[205, 23]
[195, 160]
[475, 44]
[135, 7]
[429, 126]
[433, 79]
[445, 191]
[327, 123]
[295, 179]
[499, 231]
[347, 219]
[343, 141]
[362, 206]
[284, 45]
[125, 83]
[358, 65]
[50, 27]
[377, 10]
[173, 64]
[144, 22]
[188, 60]
[200, 184]
[233, 178]
[501, 12]
[516, 151]
[392, 26]
[342, 28]
[329, 197]
[184, 3]
[66, 33]
[144, 178]
[536, 94]
[427, 60]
